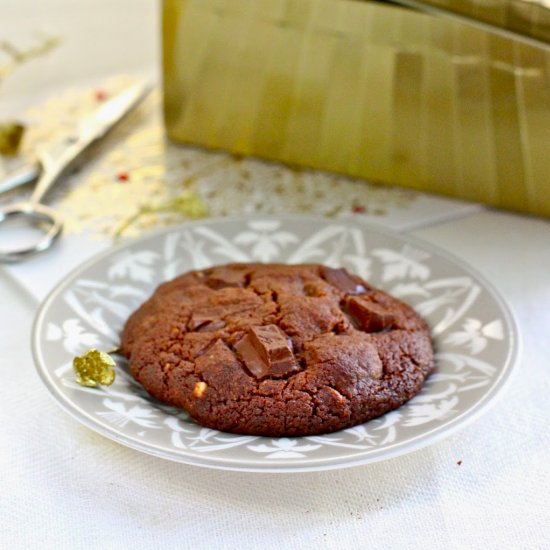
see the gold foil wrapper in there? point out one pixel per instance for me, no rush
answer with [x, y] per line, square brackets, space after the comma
[364, 89]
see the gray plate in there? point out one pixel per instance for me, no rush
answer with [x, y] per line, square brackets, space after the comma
[474, 333]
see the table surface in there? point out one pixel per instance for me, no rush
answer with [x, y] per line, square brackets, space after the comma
[63, 486]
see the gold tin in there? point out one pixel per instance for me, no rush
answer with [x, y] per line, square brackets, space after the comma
[528, 18]
[366, 89]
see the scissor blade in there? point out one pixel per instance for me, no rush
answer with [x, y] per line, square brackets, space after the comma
[111, 112]
[23, 175]
[92, 129]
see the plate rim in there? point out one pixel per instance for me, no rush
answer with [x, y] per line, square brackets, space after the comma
[307, 464]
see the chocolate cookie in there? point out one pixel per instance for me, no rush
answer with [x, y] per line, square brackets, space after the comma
[277, 350]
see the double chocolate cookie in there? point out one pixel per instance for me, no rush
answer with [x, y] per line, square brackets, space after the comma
[277, 350]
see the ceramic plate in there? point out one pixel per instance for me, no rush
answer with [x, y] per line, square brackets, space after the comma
[474, 334]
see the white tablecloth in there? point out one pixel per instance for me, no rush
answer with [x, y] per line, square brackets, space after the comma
[63, 486]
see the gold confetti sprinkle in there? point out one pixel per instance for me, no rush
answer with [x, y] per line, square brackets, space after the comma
[11, 135]
[94, 368]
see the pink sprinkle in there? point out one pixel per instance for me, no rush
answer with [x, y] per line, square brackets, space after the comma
[100, 95]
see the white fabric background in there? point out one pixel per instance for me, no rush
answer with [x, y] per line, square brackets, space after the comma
[63, 486]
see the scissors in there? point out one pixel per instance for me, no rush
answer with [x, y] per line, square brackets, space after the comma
[50, 168]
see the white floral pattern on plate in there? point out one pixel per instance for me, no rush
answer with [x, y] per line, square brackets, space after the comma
[474, 335]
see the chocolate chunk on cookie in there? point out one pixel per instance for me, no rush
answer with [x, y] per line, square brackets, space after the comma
[342, 280]
[369, 316]
[267, 352]
[277, 350]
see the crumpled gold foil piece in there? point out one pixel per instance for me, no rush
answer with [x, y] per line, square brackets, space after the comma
[94, 368]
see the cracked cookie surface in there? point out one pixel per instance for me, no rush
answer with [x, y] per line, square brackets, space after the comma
[277, 350]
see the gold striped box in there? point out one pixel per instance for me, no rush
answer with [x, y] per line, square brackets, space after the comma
[367, 89]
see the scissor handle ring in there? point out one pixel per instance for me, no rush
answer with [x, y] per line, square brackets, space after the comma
[49, 222]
